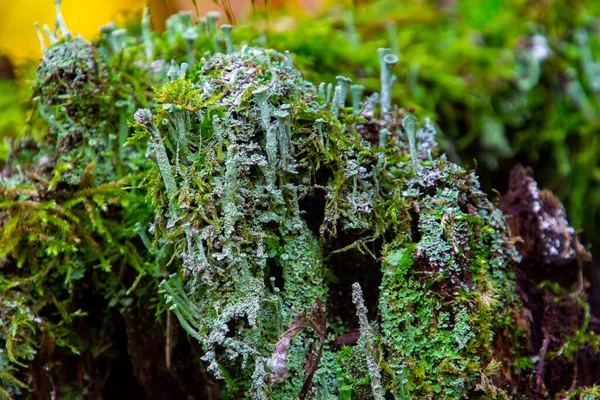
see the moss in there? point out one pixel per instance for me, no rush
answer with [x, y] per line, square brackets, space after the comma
[67, 223]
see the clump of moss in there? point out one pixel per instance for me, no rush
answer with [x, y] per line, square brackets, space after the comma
[241, 145]
[66, 240]
[19, 322]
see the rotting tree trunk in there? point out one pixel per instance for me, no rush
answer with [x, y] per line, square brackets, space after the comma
[552, 285]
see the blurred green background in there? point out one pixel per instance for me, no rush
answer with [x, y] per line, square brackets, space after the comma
[505, 81]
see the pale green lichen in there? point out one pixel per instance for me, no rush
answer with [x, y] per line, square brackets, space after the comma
[254, 261]
[387, 62]
[367, 338]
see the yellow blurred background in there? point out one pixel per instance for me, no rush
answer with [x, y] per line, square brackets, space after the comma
[18, 38]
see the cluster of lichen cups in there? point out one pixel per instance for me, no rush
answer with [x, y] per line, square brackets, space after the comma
[254, 175]
[241, 144]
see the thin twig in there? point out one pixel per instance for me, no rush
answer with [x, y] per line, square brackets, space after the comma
[580, 254]
[169, 345]
[539, 368]
[309, 376]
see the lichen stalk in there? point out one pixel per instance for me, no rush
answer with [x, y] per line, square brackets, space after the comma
[409, 124]
[357, 93]
[226, 28]
[211, 20]
[386, 63]
[367, 336]
[147, 34]
[190, 36]
[344, 83]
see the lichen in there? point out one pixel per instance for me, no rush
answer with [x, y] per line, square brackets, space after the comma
[240, 195]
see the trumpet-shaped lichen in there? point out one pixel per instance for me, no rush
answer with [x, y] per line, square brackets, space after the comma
[266, 144]
[240, 196]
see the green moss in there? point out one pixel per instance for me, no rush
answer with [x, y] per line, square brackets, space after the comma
[67, 221]
[589, 393]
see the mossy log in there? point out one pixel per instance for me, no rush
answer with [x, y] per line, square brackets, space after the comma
[246, 233]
